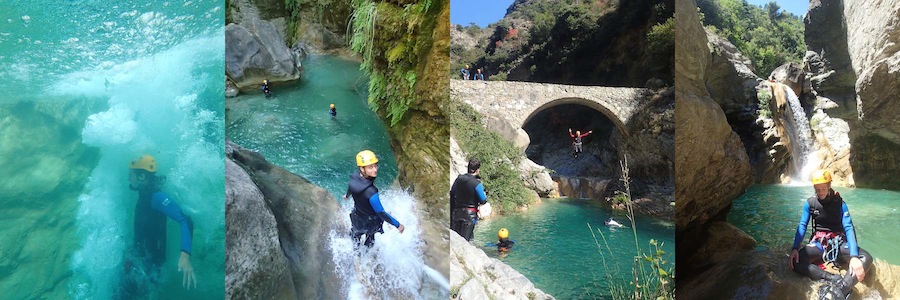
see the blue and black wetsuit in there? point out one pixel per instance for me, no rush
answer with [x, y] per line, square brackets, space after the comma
[333, 113]
[265, 89]
[368, 215]
[149, 249]
[466, 194]
[830, 215]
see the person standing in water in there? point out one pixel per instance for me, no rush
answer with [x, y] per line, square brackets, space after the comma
[148, 253]
[265, 88]
[368, 215]
[466, 194]
[834, 240]
[577, 140]
[333, 111]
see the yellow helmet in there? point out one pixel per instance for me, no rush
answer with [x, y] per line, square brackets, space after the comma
[146, 162]
[503, 233]
[821, 176]
[577, 132]
[332, 105]
[365, 158]
[265, 81]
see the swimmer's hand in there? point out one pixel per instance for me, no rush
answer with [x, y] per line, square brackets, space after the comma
[401, 228]
[184, 266]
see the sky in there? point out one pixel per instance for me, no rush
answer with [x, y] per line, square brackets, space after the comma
[483, 12]
[796, 7]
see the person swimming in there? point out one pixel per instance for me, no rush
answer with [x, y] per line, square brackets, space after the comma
[612, 223]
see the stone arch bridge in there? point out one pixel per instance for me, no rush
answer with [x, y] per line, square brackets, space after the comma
[517, 102]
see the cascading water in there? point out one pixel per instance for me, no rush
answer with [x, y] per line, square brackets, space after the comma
[800, 134]
[293, 130]
[394, 267]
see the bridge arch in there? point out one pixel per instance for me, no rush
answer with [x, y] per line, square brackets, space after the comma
[593, 104]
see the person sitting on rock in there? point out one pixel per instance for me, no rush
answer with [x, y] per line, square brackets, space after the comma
[368, 215]
[144, 262]
[265, 88]
[464, 73]
[333, 111]
[479, 75]
[833, 242]
[504, 244]
[577, 140]
[466, 194]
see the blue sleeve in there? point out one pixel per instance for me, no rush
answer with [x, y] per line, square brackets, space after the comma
[482, 197]
[376, 205]
[162, 203]
[801, 228]
[848, 230]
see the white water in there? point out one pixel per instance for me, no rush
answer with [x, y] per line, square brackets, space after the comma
[801, 138]
[394, 268]
[158, 105]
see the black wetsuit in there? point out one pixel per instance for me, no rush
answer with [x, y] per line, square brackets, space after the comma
[368, 215]
[503, 245]
[333, 112]
[148, 253]
[465, 196]
[829, 215]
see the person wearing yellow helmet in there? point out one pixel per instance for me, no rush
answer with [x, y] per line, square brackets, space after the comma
[333, 111]
[834, 240]
[265, 88]
[464, 73]
[577, 140]
[503, 242]
[368, 215]
[148, 252]
[466, 194]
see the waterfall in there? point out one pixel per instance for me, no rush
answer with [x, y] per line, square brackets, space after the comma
[394, 268]
[796, 125]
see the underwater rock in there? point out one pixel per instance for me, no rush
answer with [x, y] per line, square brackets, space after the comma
[473, 275]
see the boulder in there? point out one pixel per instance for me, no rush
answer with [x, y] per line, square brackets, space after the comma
[255, 265]
[729, 75]
[304, 214]
[254, 51]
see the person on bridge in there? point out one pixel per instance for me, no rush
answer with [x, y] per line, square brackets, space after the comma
[464, 73]
[466, 194]
[368, 215]
[479, 75]
[834, 241]
[577, 140]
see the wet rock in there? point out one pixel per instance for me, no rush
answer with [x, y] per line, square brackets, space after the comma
[474, 275]
[304, 214]
[537, 178]
[255, 266]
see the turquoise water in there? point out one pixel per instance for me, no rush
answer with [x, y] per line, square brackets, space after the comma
[770, 213]
[556, 251]
[88, 87]
[294, 130]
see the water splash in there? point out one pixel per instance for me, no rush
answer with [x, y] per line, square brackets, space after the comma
[163, 105]
[394, 268]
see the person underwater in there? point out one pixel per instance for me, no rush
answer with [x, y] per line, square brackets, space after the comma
[144, 262]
